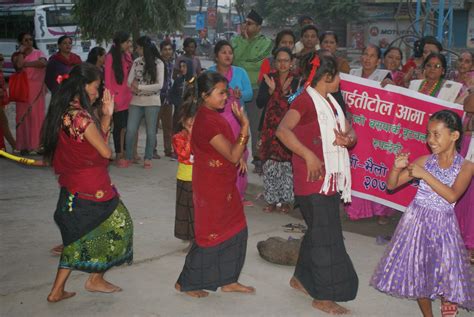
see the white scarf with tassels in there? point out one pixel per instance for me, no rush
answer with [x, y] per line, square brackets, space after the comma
[336, 158]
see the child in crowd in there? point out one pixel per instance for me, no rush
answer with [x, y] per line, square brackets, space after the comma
[184, 77]
[189, 46]
[426, 258]
[184, 219]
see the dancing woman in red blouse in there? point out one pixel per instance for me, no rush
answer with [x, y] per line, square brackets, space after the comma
[96, 228]
[218, 254]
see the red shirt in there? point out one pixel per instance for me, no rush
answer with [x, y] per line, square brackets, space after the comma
[307, 131]
[182, 146]
[80, 167]
[218, 210]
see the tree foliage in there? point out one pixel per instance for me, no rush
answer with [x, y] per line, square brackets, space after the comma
[324, 12]
[101, 19]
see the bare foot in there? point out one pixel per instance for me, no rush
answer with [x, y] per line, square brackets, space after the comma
[59, 296]
[239, 288]
[330, 307]
[297, 285]
[101, 285]
[196, 294]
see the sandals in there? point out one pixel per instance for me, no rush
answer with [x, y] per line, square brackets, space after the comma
[295, 228]
[147, 164]
[449, 310]
[269, 208]
[247, 203]
[285, 208]
[123, 163]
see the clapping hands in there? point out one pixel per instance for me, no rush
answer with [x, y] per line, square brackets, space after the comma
[401, 161]
[107, 103]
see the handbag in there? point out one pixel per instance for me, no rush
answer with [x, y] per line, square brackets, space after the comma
[18, 87]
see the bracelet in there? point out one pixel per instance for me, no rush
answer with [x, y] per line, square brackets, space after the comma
[242, 140]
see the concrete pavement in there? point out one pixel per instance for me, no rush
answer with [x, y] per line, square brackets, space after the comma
[27, 231]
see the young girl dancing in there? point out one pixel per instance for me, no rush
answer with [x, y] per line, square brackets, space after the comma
[184, 218]
[426, 258]
[217, 255]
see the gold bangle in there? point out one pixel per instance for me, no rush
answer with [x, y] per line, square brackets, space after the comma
[242, 140]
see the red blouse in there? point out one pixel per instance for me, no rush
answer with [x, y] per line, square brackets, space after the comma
[80, 167]
[182, 147]
[308, 132]
[218, 210]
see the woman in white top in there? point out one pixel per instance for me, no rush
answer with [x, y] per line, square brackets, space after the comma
[370, 60]
[146, 80]
[434, 83]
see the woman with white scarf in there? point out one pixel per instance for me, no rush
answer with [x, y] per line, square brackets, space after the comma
[316, 131]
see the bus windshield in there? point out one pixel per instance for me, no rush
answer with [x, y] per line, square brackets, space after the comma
[58, 17]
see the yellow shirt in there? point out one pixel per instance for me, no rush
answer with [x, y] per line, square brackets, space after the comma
[185, 172]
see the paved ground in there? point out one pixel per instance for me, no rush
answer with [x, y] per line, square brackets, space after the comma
[27, 232]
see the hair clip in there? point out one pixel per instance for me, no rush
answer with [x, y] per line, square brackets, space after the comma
[60, 78]
[315, 62]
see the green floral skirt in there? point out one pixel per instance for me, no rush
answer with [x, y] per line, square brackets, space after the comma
[109, 244]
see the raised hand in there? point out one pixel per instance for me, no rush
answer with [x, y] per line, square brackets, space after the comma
[107, 103]
[240, 114]
[270, 83]
[401, 160]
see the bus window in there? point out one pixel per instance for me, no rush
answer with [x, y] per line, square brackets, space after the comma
[58, 17]
[14, 22]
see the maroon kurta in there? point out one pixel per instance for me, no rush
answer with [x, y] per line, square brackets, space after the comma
[80, 167]
[218, 210]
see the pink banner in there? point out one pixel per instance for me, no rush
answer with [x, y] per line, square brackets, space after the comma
[387, 121]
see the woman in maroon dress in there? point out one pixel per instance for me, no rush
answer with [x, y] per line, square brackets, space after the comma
[96, 227]
[316, 131]
[218, 254]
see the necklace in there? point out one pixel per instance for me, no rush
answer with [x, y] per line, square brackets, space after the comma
[432, 90]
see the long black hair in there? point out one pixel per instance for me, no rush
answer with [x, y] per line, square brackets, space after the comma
[327, 65]
[116, 51]
[150, 55]
[94, 54]
[452, 121]
[70, 89]
[195, 90]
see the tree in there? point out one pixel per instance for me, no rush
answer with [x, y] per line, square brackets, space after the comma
[325, 12]
[101, 19]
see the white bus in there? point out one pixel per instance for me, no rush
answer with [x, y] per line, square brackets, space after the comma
[46, 20]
